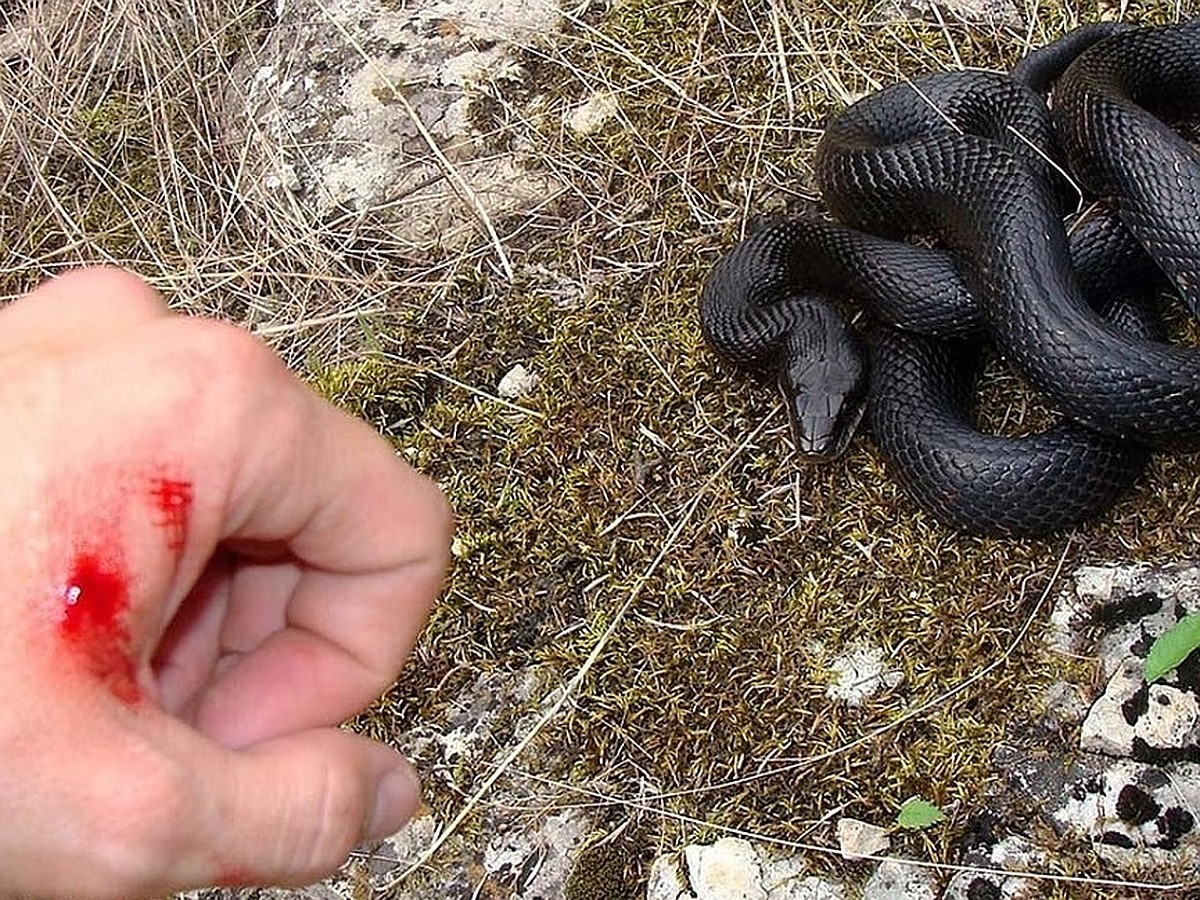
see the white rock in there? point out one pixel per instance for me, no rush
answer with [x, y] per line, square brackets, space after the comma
[1105, 729]
[859, 673]
[726, 870]
[518, 382]
[1013, 852]
[808, 888]
[666, 881]
[1170, 718]
[284, 178]
[1128, 602]
[406, 846]
[384, 67]
[733, 869]
[590, 116]
[1101, 810]
[1095, 583]
[992, 13]
[414, 838]
[784, 879]
[475, 67]
[857, 839]
[518, 21]
[898, 880]
[539, 860]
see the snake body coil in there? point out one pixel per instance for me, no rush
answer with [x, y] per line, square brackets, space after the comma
[963, 156]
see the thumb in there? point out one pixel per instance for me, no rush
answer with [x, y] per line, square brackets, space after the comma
[290, 810]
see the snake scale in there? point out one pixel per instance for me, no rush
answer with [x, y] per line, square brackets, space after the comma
[975, 161]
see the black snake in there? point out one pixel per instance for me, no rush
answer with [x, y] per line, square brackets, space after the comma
[971, 158]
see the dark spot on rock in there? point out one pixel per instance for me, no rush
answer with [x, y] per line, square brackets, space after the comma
[1135, 806]
[1187, 673]
[1116, 839]
[1140, 751]
[1175, 822]
[1141, 646]
[982, 889]
[1135, 707]
[1125, 610]
[1152, 779]
[979, 831]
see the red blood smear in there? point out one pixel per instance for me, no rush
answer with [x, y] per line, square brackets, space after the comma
[173, 500]
[96, 601]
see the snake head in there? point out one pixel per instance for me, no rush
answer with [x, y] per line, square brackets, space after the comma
[824, 384]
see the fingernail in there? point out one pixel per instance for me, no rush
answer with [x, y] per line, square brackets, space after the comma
[396, 800]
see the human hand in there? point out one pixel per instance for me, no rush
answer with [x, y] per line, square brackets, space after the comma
[207, 568]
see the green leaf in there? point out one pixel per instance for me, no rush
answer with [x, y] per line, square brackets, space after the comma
[918, 813]
[1172, 647]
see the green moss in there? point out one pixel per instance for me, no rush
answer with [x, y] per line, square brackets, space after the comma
[603, 871]
[719, 672]
[710, 700]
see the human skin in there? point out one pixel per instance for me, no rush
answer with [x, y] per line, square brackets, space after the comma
[206, 569]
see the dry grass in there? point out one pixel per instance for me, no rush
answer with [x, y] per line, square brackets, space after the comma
[639, 526]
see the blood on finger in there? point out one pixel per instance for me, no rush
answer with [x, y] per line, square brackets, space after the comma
[94, 625]
[95, 596]
[172, 498]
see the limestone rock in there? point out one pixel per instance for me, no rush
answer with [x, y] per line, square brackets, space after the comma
[517, 382]
[809, 888]
[361, 109]
[1106, 730]
[857, 839]
[1136, 813]
[536, 864]
[860, 672]
[987, 13]
[1127, 605]
[1169, 720]
[1013, 852]
[728, 868]
[1132, 606]
[734, 869]
[405, 847]
[898, 880]
[1134, 790]
[593, 114]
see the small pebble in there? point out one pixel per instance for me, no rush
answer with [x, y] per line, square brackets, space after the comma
[517, 383]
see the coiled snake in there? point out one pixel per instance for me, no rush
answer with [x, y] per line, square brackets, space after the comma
[967, 157]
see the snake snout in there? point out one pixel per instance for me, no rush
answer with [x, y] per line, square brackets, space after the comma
[825, 399]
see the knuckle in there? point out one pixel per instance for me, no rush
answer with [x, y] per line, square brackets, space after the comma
[225, 354]
[117, 285]
[222, 367]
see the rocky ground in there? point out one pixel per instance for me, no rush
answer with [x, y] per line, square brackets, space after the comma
[365, 118]
[1113, 764]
